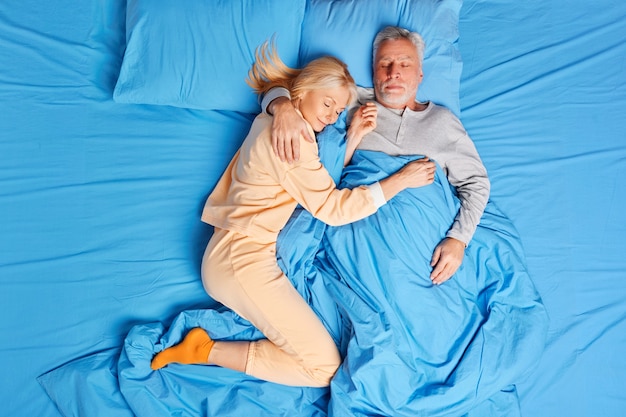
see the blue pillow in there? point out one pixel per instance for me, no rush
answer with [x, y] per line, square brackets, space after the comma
[197, 53]
[346, 29]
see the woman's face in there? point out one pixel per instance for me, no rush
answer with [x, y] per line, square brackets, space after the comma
[322, 107]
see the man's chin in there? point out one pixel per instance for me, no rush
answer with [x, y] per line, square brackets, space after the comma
[394, 101]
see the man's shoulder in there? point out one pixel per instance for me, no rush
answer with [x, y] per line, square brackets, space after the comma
[365, 94]
[440, 110]
[442, 114]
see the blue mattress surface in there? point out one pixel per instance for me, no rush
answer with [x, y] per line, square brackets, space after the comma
[101, 240]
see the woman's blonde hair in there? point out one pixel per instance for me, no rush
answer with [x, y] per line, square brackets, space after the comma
[269, 71]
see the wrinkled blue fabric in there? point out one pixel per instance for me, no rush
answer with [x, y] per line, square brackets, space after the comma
[411, 348]
[415, 348]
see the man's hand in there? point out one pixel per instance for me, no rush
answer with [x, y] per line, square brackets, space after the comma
[446, 259]
[287, 128]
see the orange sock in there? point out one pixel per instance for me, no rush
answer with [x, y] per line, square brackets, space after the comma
[194, 348]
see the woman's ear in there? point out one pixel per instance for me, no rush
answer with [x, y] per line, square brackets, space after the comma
[297, 100]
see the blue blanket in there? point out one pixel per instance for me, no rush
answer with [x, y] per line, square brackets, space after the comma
[410, 348]
[418, 349]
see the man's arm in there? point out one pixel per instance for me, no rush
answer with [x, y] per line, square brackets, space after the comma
[287, 124]
[468, 175]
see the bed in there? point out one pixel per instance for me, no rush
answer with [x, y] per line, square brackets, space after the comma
[118, 117]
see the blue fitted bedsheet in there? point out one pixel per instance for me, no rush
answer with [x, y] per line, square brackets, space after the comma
[100, 234]
[411, 348]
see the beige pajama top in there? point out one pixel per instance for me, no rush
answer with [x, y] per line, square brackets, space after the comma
[258, 192]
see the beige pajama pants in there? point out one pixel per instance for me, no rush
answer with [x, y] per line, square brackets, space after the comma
[242, 273]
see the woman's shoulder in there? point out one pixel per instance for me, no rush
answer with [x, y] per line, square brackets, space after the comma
[262, 121]
[261, 126]
[260, 139]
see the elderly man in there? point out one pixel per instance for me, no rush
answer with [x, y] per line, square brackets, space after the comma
[405, 126]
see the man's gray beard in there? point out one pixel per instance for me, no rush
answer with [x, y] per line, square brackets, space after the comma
[405, 98]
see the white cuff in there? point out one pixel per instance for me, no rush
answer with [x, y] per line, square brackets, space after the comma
[377, 194]
[273, 94]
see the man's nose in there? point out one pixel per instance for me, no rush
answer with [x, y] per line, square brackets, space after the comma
[392, 71]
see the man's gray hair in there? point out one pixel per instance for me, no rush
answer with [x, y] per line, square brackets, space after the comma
[394, 33]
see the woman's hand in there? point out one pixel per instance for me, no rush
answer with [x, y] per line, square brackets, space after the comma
[414, 174]
[363, 122]
[418, 173]
[287, 128]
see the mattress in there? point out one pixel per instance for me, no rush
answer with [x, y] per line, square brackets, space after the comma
[107, 154]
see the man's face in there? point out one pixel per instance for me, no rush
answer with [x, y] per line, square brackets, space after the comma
[397, 73]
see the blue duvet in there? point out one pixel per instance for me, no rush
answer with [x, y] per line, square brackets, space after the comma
[411, 348]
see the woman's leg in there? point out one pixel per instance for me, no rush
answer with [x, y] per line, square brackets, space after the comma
[244, 275]
[195, 348]
[198, 348]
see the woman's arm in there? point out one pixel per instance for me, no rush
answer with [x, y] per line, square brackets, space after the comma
[414, 174]
[363, 122]
[311, 186]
